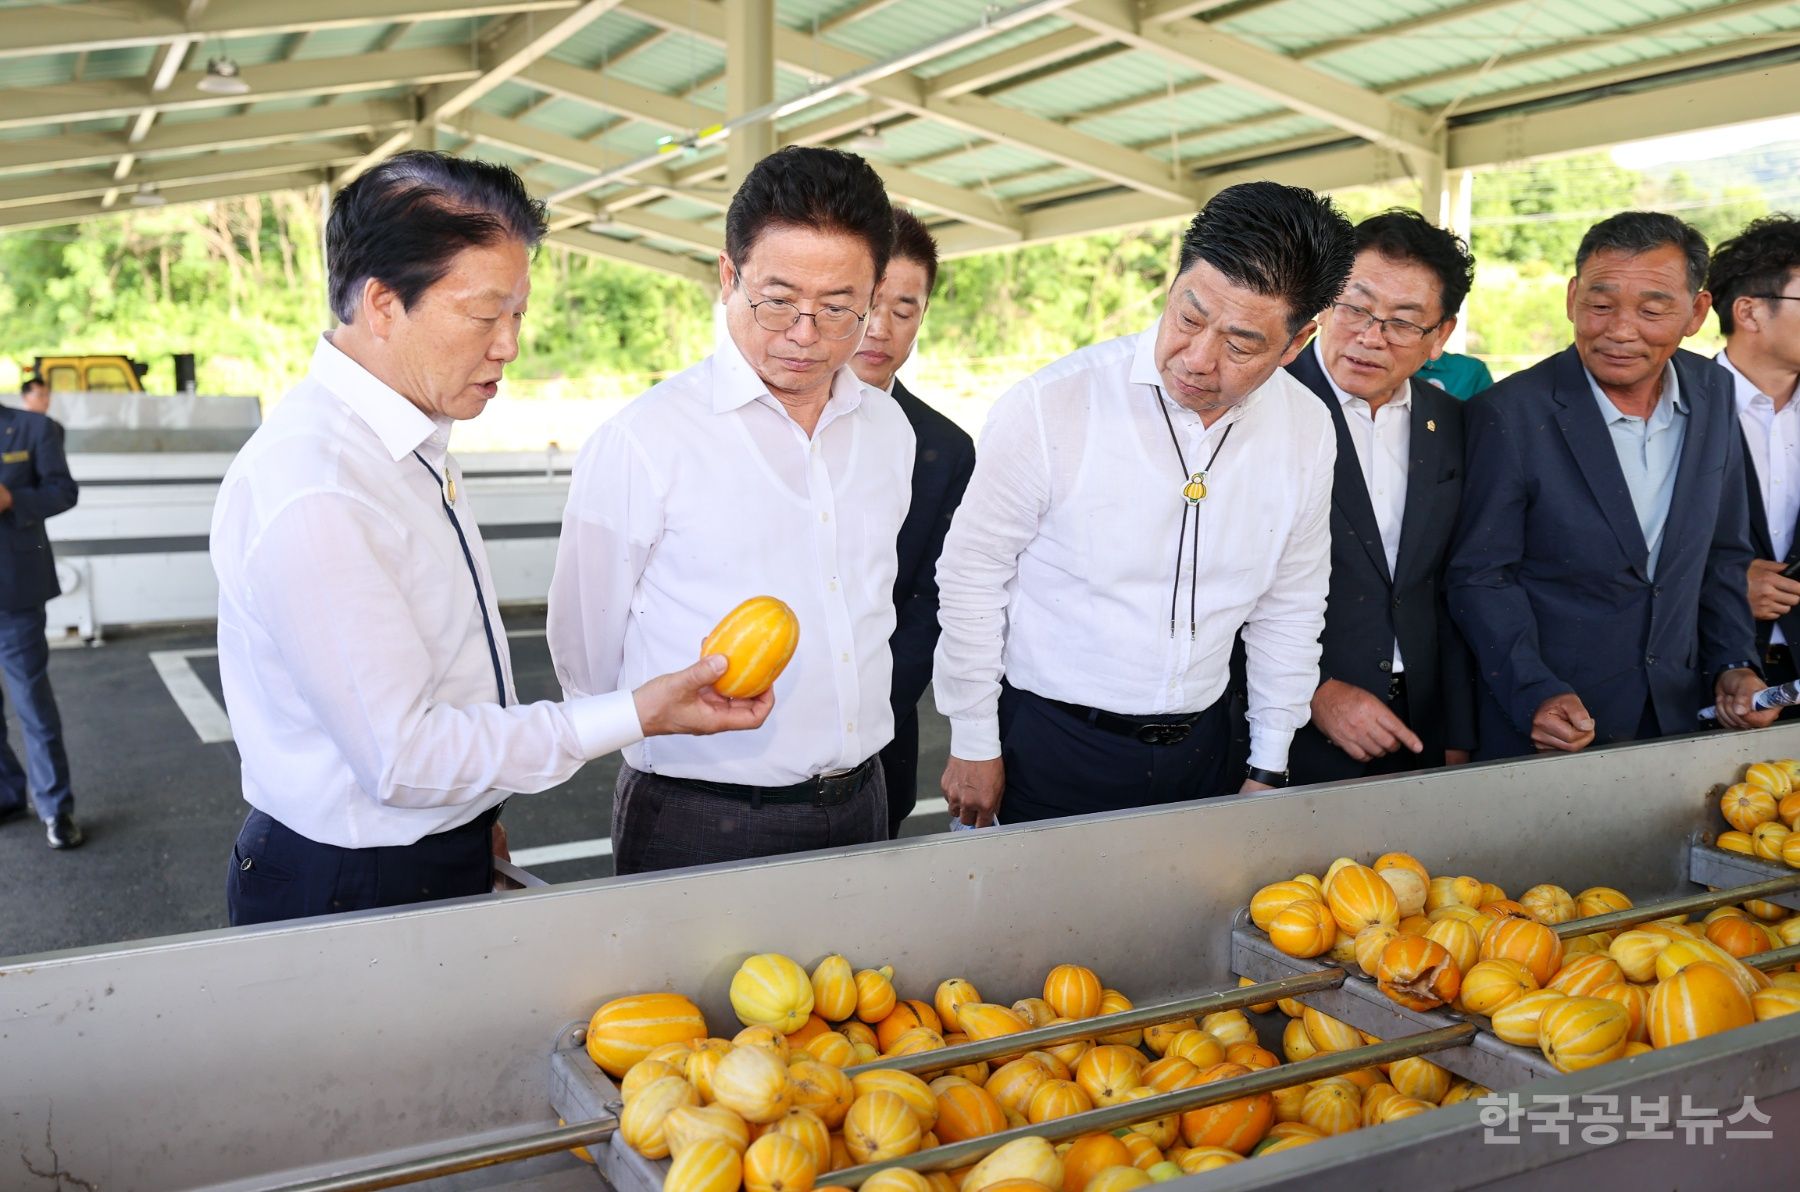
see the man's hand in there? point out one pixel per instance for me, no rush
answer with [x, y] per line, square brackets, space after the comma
[5, 498]
[972, 790]
[1251, 786]
[1732, 699]
[501, 849]
[1772, 595]
[1562, 725]
[1358, 723]
[685, 703]
[1456, 757]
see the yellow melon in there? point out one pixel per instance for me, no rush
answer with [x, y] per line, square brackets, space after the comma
[771, 990]
[709, 1165]
[627, 1029]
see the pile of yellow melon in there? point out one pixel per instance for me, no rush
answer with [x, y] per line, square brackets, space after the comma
[772, 1110]
[1458, 941]
[1764, 813]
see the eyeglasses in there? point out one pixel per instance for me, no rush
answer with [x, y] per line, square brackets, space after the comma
[777, 314]
[1398, 332]
[1778, 297]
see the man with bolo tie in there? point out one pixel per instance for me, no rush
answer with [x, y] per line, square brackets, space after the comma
[1134, 507]
[365, 666]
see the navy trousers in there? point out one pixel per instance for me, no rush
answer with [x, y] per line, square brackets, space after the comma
[1058, 764]
[900, 767]
[25, 664]
[277, 874]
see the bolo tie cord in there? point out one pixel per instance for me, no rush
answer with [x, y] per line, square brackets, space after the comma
[1191, 506]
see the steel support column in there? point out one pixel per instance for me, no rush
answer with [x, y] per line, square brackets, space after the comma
[749, 82]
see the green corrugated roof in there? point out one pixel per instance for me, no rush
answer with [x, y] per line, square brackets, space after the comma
[1477, 55]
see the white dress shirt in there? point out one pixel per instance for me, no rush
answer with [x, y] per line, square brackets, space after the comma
[703, 493]
[1383, 441]
[1773, 438]
[1058, 566]
[357, 673]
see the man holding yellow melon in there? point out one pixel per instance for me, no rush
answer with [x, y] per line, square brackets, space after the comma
[1134, 508]
[365, 667]
[768, 469]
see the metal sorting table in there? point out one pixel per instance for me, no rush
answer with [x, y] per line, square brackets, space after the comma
[391, 1038]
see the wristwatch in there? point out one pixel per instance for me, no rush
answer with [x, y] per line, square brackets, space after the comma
[1266, 777]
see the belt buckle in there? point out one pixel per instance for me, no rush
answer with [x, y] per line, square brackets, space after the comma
[1163, 734]
[825, 786]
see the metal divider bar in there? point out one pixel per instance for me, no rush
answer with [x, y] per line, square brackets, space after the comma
[1775, 958]
[1675, 906]
[545, 1142]
[961, 1154]
[944, 1058]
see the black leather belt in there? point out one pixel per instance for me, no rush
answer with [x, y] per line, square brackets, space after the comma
[1150, 730]
[1778, 654]
[824, 790]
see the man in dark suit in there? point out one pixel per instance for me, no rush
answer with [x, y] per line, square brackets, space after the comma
[1396, 690]
[1598, 569]
[943, 458]
[34, 485]
[1755, 284]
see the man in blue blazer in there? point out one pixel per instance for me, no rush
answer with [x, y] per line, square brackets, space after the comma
[943, 459]
[35, 485]
[1599, 566]
[1396, 687]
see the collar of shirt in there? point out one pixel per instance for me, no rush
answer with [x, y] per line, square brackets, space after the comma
[1145, 372]
[401, 426]
[1749, 397]
[736, 385]
[1401, 402]
[1668, 405]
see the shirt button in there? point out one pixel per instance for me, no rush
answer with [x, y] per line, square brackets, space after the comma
[850, 726]
[843, 657]
[832, 586]
[824, 517]
[1387, 664]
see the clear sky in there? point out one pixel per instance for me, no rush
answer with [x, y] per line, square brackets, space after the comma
[1714, 142]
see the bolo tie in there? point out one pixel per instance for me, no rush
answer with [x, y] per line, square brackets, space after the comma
[446, 486]
[1193, 491]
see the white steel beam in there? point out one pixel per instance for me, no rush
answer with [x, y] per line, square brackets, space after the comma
[633, 253]
[749, 82]
[560, 150]
[237, 132]
[27, 107]
[211, 167]
[1277, 77]
[109, 24]
[81, 210]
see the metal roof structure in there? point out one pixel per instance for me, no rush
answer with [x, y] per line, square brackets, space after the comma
[1001, 124]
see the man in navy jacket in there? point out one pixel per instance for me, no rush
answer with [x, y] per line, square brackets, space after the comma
[943, 458]
[35, 485]
[1598, 571]
[1395, 686]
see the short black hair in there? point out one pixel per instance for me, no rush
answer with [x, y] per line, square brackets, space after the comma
[1402, 235]
[32, 381]
[913, 241]
[405, 220]
[1635, 232]
[1758, 260]
[805, 186]
[1278, 241]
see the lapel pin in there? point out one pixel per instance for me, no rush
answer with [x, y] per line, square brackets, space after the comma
[1431, 424]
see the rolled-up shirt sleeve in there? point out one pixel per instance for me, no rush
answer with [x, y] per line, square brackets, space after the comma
[1281, 634]
[1000, 513]
[324, 580]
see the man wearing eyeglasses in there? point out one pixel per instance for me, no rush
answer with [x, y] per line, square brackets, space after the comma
[1755, 283]
[1395, 688]
[1598, 568]
[768, 468]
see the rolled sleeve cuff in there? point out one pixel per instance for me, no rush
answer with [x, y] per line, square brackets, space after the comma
[975, 740]
[1269, 748]
[604, 724]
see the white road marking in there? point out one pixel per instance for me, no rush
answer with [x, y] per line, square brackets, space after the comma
[203, 712]
[582, 850]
